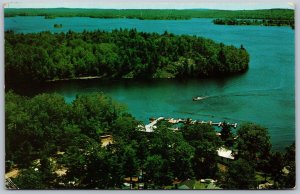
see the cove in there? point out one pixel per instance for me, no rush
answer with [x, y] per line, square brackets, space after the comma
[265, 94]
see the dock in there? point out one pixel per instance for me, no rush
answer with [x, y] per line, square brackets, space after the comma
[152, 125]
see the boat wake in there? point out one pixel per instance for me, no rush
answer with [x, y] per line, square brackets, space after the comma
[269, 92]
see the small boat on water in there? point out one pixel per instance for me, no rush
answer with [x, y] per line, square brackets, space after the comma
[198, 98]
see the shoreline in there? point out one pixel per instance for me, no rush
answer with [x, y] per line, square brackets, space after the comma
[75, 78]
[105, 77]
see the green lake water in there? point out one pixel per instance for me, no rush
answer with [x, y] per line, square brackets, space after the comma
[264, 95]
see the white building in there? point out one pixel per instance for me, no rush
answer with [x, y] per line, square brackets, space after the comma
[225, 154]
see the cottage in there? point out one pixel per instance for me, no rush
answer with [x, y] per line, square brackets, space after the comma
[225, 155]
[106, 140]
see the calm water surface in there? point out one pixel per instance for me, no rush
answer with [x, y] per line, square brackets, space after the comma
[264, 95]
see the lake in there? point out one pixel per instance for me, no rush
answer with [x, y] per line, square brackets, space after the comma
[264, 95]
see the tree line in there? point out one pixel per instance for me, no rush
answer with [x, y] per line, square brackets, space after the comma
[255, 22]
[45, 134]
[153, 14]
[117, 54]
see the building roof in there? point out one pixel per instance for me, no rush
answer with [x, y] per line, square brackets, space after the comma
[225, 153]
[106, 140]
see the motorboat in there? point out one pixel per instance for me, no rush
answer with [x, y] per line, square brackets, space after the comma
[198, 98]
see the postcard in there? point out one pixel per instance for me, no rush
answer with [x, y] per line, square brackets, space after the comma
[150, 95]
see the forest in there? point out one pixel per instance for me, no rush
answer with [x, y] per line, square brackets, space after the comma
[255, 22]
[56, 145]
[118, 54]
[154, 14]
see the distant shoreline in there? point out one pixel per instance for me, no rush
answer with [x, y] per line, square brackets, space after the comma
[75, 78]
[153, 14]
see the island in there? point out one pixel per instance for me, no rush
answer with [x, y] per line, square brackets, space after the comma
[122, 53]
[57, 25]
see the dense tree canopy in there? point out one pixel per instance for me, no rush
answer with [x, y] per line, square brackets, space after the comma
[117, 54]
[45, 124]
[241, 175]
[206, 143]
[226, 134]
[44, 135]
[263, 22]
[283, 168]
[254, 144]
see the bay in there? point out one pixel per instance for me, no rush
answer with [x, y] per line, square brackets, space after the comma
[265, 94]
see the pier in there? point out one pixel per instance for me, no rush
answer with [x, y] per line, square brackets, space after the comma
[152, 125]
